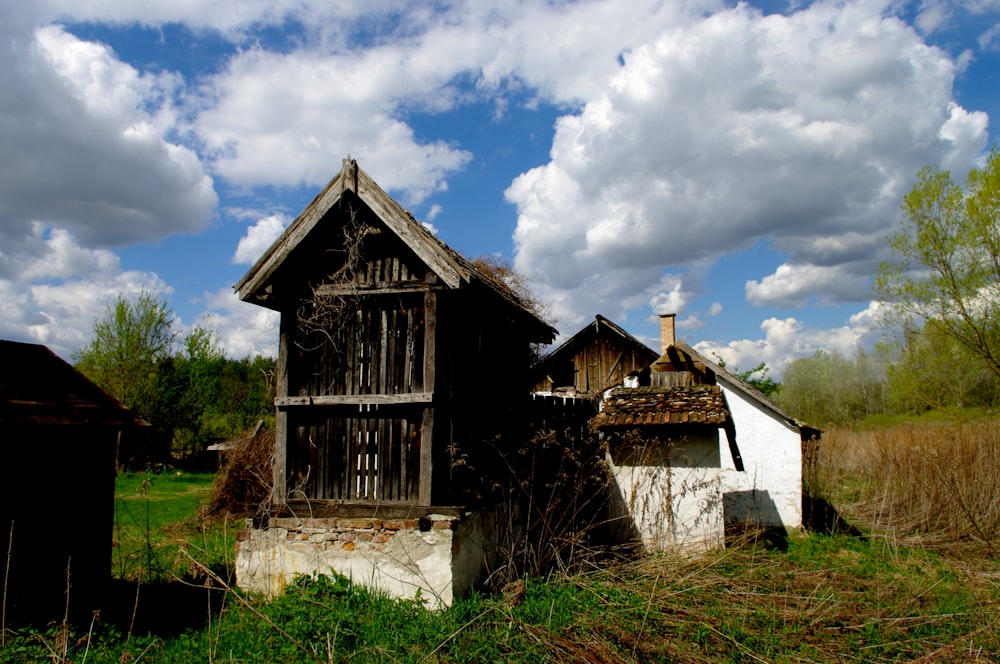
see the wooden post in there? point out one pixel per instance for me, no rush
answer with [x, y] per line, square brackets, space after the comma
[279, 490]
[427, 425]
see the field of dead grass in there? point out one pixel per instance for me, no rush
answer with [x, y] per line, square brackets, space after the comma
[932, 485]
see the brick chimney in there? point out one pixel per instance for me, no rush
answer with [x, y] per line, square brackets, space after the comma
[666, 332]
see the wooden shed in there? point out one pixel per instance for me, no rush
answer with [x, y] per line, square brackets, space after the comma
[401, 365]
[59, 433]
[599, 356]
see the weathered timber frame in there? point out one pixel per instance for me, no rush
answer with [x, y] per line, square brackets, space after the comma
[376, 398]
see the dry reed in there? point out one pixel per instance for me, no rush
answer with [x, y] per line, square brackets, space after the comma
[933, 483]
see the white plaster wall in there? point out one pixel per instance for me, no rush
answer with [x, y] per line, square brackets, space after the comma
[769, 491]
[675, 507]
[436, 564]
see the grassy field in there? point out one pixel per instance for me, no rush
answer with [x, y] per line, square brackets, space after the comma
[913, 588]
[159, 520]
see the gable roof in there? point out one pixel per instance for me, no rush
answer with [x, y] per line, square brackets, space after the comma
[600, 326]
[452, 269]
[38, 387]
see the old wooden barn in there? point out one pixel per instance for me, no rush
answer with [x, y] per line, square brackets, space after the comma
[599, 356]
[59, 433]
[401, 368]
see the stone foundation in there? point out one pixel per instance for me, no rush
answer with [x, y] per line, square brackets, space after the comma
[436, 557]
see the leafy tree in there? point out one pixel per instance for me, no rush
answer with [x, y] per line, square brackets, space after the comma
[130, 342]
[827, 388]
[946, 274]
[195, 380]
[758, 378]
[932, 371]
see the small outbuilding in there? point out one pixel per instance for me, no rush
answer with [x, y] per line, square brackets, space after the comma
[700, 450]
[59, 434]
[387, 429]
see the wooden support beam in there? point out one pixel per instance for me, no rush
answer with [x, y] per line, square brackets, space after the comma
[427, 425]
[354, 399]
[280, 466]
[426, 457]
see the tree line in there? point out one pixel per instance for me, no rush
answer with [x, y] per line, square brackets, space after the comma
[183, 386]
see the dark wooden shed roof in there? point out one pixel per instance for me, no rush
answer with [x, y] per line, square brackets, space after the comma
[38, 387]
[659, 406]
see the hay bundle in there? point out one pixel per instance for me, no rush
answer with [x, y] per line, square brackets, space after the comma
[243, 484]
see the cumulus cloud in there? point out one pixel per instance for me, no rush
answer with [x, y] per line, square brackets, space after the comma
[245, 329]
[801, 130]
[259, 237]
[84, 142]
[785, 340]
[793, 285]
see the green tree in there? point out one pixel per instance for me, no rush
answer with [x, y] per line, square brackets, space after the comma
[828, 388]
[129, 344]
[932, 371]
[946, 274]
[193, 383]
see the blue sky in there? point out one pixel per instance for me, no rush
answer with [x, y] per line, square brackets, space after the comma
[739, 165]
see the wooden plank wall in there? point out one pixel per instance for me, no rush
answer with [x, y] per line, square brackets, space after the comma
[371, 453]
[379, 350]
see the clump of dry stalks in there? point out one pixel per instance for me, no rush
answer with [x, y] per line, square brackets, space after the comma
[933, 484]
[243, 484]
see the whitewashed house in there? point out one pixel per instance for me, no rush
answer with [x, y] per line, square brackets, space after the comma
[700, 450]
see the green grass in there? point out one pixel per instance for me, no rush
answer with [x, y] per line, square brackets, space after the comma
[824, 599]
[158, 518]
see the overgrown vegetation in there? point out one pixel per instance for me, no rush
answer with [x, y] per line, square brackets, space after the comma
[827, 598]
[918, 585]
[931, 485]
[159, 519]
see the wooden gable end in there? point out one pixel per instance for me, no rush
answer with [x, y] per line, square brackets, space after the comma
[597, 357]
[384, 335]
[351, 197]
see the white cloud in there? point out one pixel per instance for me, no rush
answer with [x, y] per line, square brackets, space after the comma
[802, 130]
[786, 340]
[932, 15]
[245, 329]
[84, 142]
[61, 315]
[259, 237]
[793, 285]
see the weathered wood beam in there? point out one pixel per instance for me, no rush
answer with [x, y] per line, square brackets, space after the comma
[430, 374]
[353, 399]
[321, 509]
[280, 465]
[364, 289]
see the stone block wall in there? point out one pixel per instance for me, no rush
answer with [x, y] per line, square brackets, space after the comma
[435, 557]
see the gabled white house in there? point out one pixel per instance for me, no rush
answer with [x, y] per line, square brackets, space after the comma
[698, 450]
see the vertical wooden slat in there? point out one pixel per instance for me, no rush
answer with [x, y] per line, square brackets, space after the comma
[407, 382]
[384, 356]
[345, 458]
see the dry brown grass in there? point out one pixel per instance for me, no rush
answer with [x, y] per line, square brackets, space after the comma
[933, 484]
[243, 484]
